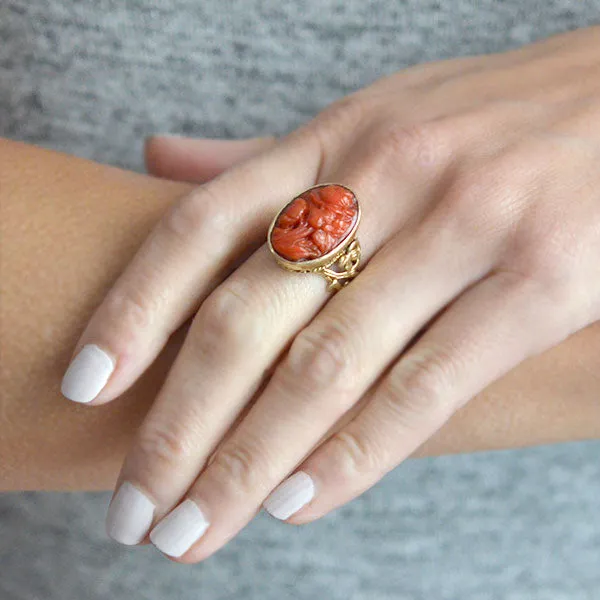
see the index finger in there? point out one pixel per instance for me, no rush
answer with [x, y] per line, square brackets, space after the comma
[190, 251]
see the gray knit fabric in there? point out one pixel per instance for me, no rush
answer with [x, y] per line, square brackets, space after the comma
[93, 78]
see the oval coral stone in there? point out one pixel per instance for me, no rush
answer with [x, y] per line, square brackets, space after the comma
[314, 223]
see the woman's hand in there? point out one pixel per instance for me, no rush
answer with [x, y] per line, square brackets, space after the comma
[479, 185]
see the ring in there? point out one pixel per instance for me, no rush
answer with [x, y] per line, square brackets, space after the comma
[316, 233]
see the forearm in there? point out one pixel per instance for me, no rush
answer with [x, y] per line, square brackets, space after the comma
[70, 226]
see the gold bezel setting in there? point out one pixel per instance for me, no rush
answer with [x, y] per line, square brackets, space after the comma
[346, 253]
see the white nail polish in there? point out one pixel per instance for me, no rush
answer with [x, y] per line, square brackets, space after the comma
[129, 515]
[87, 374]
[290, 496]
[180, 529]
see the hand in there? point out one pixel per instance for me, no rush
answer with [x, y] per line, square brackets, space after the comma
[478, 180]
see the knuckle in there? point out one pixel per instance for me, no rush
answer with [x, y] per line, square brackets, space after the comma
[237, 466]
[480, 205]
[164, 444]
[228, 318]
[415, 143]
[463, 199]
[546, 273]
[130, 309]
[355, 455]
[548, 249]
[421, 147]
[416, 389]
[331, 128]
[342, 116]
[198, 215]
[490, 196]
[321, 356]
[546, 261]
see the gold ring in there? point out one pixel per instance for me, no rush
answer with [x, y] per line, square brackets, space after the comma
[316, 233]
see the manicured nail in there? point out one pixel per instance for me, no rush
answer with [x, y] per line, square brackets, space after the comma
[87, 374]
[290, 496]
[129, 515]
[180, 529]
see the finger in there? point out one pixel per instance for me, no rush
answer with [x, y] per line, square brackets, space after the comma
[198, 405]
[237, 335]
[313, 387]
[199, 160]
[478, 339]
[329, 366]
[287, 420]
[192, 249]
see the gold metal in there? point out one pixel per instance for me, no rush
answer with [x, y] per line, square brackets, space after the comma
[340, 265]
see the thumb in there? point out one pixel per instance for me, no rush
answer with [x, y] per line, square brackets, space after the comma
[198, 160]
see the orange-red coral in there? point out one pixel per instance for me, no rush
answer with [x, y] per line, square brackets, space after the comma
[314, 223]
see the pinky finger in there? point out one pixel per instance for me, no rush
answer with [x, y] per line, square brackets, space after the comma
[485, 333]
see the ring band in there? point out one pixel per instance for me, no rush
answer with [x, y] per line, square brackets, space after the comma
[316, 233]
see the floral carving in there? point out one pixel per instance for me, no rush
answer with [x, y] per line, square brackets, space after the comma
[314, 223]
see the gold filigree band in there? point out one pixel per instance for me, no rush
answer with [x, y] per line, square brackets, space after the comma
[347, 267]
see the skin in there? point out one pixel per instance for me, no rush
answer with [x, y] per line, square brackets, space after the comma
[479, 185]
[102, 214]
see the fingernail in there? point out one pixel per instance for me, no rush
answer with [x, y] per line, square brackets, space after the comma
[87, 374]
[129, 515]
[290, 496]
[180, 529]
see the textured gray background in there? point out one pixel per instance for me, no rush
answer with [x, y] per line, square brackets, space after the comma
[93, 78]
